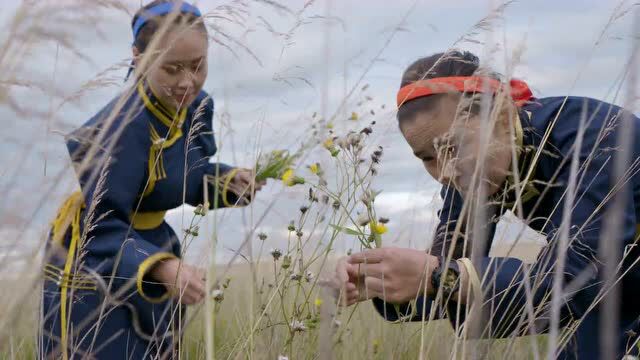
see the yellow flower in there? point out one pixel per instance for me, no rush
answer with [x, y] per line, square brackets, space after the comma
[354, 116]
[315, 168]
[287, 177]
[330, 125]
[318, 302]
[328, 143]
[379, 228]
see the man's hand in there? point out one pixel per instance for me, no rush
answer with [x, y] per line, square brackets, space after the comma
[395, 275]
[345, 283]
[185, 282]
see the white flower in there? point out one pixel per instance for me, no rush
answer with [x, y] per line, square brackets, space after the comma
[363, 219]
[282, 357]
[298, 326]
[295, 277]
[309, 276]
[218, 295]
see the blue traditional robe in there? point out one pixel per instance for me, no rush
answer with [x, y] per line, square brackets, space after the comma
[543, 207]
[135, 159]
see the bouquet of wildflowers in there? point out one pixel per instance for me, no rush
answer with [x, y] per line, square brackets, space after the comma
[278, 164]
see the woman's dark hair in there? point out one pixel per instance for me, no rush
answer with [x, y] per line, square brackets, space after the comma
[151, 26]
[451, 63]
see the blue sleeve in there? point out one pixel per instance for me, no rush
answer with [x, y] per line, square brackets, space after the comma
[214, 171]
[111, 182]
[443, 240]
[505, 277]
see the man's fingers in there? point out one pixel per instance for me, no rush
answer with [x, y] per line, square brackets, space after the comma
[370, 270]
[371, 256]
[372, 284]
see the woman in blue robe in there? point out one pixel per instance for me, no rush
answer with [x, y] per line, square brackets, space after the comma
[115, 287]
[537, 139]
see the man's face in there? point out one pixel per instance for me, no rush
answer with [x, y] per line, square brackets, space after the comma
[450, 146]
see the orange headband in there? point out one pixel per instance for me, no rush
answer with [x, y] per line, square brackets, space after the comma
[520, 92]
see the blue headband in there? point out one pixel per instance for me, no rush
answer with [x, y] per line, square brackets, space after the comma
[162, 9]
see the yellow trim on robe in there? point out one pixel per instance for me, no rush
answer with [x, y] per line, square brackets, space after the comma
[147, 220]
[75, 239]
[144, 268]
[156, 167]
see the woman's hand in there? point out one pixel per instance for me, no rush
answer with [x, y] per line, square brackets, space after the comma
[185, 282]
[243, 184]
[395, 275]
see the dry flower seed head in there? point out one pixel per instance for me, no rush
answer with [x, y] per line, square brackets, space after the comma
[282, 357]
[342, 143]
[336, 205]
[372, 112]
[218, 295]
[295, 277]
[292, 226]
[226, 283]
[286, 262]
[298, 326]
[367, 131]
[383, 220]
[304, 209]
[276, 253]
[374, 171]
[363, 219]
[337, 323]
[349, 252]
[200, 210]
[299, 233]
[325, 199]
[262, 236]
[308, 276]
[354, 139]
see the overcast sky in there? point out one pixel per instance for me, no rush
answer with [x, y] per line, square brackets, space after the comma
[279, 80]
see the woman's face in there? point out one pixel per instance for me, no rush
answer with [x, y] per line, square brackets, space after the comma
[179, 73]
[450, 147]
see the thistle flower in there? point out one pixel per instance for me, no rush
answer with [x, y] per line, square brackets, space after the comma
[383, 220]
[291, 226]
[298, 326]
[299, 233]
[276, 253]
[262, 236]
[367, 131]
[304, 209]
[336, 205]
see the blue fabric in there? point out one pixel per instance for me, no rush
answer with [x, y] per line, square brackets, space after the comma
[115, 250]
[504, 298]
[162, 9]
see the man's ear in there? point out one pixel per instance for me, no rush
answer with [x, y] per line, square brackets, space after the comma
[136, 53]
